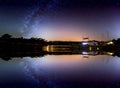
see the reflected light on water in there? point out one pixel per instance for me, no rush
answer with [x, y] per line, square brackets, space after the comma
[60, 68]
[62, 64]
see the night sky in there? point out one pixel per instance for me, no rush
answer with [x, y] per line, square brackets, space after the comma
[69, 20]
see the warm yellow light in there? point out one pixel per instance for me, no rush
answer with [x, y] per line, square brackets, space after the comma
[109, 53]
[47, 48]
[90, 48]
[51, 48]
[110, 43]
[97, 48]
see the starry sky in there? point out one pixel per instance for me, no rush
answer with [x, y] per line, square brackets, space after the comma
[69, 20]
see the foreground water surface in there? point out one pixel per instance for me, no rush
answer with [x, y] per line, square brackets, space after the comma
[61, 71]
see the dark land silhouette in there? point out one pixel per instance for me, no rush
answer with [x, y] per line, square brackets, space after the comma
[37, 47]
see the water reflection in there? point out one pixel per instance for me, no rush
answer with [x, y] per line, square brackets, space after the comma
[53, 50]
[58, 69]
[61, 71]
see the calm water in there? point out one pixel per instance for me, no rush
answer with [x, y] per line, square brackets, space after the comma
[61, 71]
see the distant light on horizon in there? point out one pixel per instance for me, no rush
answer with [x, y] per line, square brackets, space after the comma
[55, 20]
[85, 43]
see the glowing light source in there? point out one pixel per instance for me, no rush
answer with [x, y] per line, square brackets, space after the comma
[84, 53]
[109, 53]
[47, 48]
[84, 43]
[90, 48]
[97, 48]
[110, 43]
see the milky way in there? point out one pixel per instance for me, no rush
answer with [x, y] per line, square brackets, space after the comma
[46, 18]
[69, 20]
[37, 18]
